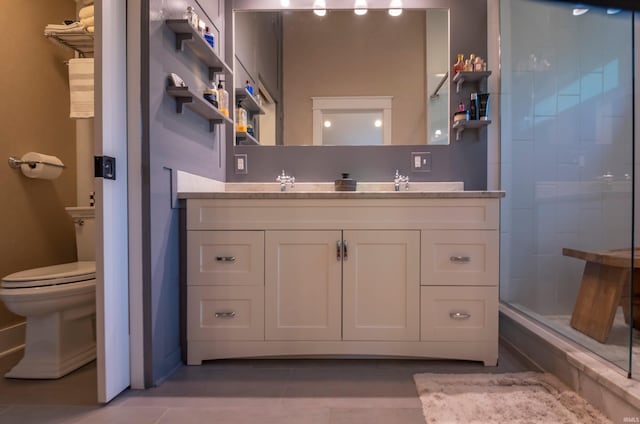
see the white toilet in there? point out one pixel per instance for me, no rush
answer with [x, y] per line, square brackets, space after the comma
[59, 303]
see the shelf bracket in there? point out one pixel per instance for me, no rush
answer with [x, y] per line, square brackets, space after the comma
[180, 101]
[181, 37]
[459, 84]
[459, 133]
[213, 70]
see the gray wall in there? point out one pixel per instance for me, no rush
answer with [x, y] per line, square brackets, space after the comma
[464, 160]
[172, 142]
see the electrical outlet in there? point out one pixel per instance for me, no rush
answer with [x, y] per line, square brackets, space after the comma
[240, 163]
[421, 161]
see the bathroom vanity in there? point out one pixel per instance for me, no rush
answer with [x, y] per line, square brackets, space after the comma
[409, 273]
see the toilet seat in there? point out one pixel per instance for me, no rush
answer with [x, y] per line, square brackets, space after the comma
[51, 275]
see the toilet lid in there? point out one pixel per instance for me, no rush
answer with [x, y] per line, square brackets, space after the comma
[51, 275]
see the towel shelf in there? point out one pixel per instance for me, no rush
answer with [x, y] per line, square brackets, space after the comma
[80, 42]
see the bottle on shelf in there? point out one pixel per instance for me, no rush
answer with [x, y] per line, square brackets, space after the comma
[241, 114]
[211, 95]
[459, 65]
[208, 36]
[191, 16]
[473, 107]
[223, 99]
[467, 65]
[249, 87]
[250, 129]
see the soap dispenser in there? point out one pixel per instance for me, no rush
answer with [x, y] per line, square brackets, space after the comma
[242, 119]
[223, 99]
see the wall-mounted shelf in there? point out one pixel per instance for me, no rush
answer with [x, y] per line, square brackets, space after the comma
[186, 97]
[185, 32]
[245, 139]
[248, 101]
[82, 42]
[460, 126]
[469, 76]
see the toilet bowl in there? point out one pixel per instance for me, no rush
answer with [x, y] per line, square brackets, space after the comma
[59, 305]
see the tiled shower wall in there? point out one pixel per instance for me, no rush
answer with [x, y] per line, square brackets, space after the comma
[566, 146]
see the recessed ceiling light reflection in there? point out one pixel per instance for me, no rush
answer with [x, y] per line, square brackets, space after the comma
[579, 11]
[320, 7]
[378, 123]
[360, 7]
[327, 124]
[613, 11]
[395, 8]
[285, 3]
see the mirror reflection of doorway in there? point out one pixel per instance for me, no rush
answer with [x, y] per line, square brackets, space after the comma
[266, 125]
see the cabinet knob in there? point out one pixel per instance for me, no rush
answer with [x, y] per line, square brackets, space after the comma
[225, 258]
[460, 259]
[225, 314]
[459, 315]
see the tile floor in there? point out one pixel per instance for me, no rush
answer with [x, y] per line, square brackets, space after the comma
[283, 391]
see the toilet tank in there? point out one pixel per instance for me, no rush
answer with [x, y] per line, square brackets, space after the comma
[84, 222]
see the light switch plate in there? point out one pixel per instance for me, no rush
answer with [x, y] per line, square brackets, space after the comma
[421, 161]
[240, 163]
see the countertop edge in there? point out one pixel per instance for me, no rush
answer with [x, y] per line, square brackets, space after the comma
[480, 194]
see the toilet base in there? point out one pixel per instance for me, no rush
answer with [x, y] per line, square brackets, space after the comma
[57, 344]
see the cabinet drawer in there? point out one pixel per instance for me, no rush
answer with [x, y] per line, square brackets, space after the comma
[225, 257]
[460, 258]
[458, 313]
[225, 313]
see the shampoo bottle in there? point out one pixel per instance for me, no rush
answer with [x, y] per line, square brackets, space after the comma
[223, 99]
[473, 107]
[242, 119]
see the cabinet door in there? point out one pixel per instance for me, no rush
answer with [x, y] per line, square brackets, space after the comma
[302, 285]
[381, 285]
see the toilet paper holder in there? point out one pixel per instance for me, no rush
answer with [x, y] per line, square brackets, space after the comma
[15, 163]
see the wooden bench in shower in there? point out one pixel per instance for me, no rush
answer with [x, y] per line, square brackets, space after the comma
[604, 286]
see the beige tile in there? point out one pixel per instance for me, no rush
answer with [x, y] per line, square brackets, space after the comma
[377, 416]
[245, 416]
[351, 402]
[201, 402]
[118, 415]
[43, 414]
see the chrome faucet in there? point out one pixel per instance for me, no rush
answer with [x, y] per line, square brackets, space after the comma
[283, 179]
[400, 179]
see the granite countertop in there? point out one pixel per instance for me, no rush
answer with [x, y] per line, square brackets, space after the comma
[323, 190]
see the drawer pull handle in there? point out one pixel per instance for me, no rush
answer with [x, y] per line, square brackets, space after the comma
[225, 258]
[225, 314]
[460, 259]
[459, 315]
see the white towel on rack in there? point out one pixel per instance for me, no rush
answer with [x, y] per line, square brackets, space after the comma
[74, 28]
[86, 12]
[87, 22]
[81, 86]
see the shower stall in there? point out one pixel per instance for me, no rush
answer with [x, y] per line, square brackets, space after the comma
[568, 166]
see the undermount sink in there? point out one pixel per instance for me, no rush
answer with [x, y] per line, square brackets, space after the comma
[418, 186]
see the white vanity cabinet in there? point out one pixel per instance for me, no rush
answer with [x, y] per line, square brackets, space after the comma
[399, 275]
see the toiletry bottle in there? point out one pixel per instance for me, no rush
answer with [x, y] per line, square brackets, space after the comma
[208, 95]
[241, 115]
[249, 87]
[473, 107]
[250, 129]
[461, 107]
[208, 36]
[459, 65]
[191, 17]
[467, 65]
[223, 99]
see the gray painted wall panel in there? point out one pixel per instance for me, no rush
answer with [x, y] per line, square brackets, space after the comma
[175, 142]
